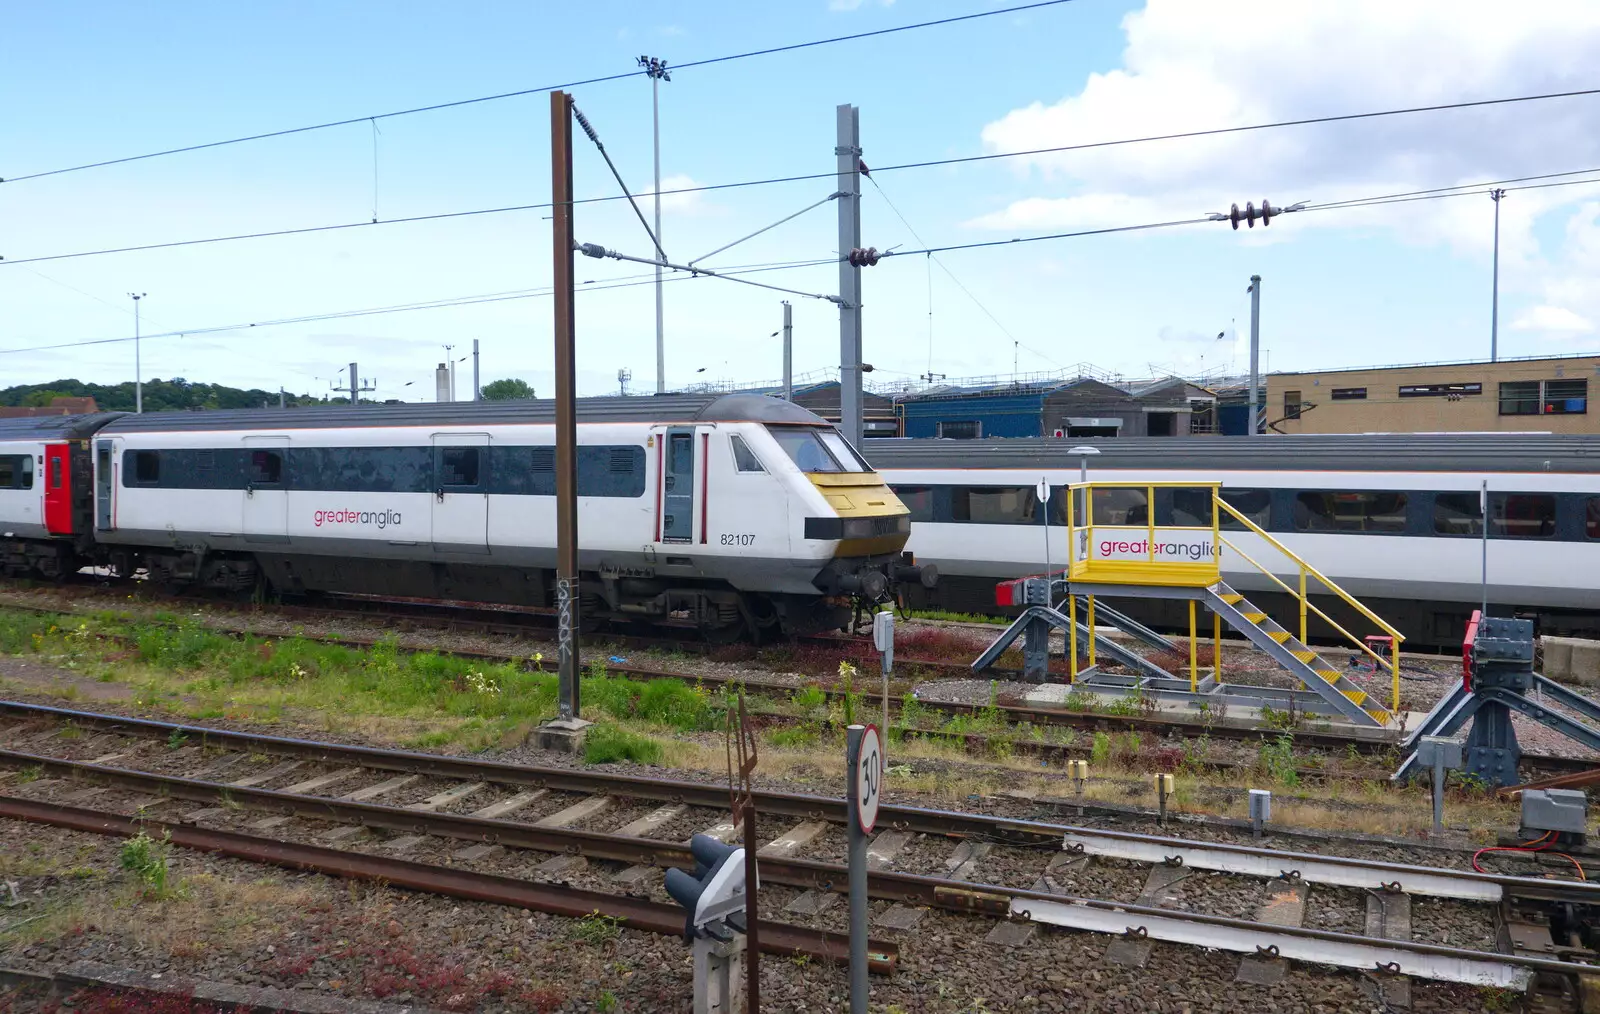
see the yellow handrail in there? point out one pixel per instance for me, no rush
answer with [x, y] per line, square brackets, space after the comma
[1326, 581]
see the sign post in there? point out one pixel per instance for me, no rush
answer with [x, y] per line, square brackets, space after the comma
[883, 640]
[864, 764]
[1042, 491]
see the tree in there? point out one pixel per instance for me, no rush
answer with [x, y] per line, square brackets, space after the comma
[510, 389]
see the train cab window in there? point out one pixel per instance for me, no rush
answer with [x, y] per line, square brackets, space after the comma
[146, 467]
[266, 468]
[803, 448]
[1591, 518]
[993, 505]
[842, 452]
[1344, 510]
[458, 466]
[1255, 504]
[744, 459]
[919, 501]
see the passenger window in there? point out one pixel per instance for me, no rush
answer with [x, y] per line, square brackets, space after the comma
[266, 468]
[55, 473]
[458, 466]
[1188, 508]
[918, 500]
[146, 466]
[744, 459]
[994, 505]
[1591, 518]
[1255, 504]
[1114, 506]
[1350, 511]
[8, 472]
[1516, 515]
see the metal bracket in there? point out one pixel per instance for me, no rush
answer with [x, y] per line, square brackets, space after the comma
[1133, 933]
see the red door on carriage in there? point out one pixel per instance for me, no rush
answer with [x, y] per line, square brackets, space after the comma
[57, 489]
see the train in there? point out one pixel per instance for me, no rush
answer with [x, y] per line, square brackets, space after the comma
[1394, 519]
[734, 516]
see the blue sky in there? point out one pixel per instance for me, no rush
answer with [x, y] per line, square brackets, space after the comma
[1399, 283]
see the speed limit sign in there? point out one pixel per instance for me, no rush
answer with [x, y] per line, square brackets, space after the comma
[868, 779]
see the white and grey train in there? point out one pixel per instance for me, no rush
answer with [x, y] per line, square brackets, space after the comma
[1394, 519]
[729, 515]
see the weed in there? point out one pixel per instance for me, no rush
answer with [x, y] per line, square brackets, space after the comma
[596, 930]
[799, 737]
[809, 698]
[1276, 758]
[1287, 720]
[1123, 707]
[606, 1003]
[29, 774]
[146, 859]
[607, 743]
[1100, 752]
[176, 739]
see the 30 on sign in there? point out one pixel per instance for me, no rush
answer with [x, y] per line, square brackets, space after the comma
[869, 779]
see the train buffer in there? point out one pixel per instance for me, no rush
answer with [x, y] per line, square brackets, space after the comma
[1497, 677]
[1170, 544]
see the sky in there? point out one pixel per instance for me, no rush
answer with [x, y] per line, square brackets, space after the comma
[1402, 282]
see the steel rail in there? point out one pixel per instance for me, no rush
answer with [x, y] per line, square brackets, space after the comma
[810, 807]
[1097, 915]
[636, 913]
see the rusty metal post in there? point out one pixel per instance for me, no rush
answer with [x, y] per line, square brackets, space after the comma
[566, 405]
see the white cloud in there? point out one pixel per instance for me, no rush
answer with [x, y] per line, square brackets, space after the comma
[682, 204]
[1552, 319]
[1189, 66]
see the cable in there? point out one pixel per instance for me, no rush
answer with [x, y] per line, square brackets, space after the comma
[622, 282]
[1528, 847]
[536, 91]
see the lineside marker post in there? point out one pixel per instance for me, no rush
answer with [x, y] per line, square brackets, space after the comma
[864, 764]
[883, 640]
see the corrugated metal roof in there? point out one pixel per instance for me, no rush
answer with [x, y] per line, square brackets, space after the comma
[644, 408]
[54, 427]
[1447, 452]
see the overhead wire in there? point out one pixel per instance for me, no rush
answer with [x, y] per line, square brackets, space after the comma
[599, 79]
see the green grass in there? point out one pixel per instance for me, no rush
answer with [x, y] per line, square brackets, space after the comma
[190, 670]
[607, 743]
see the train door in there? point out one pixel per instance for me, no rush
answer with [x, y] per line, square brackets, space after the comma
[676, 502]
[58, 489]
[266, 489]
[105, 484]
[461, 492]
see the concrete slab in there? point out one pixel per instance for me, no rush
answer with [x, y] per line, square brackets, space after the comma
[322, 781]
[84, 794]
[349, 833]
[656, 818]
[1011, 934]
[380, 789]
[147, 803]
[884, 847]
[107, 758]
[583, 809]
[636, 875]
[1261, 971]
[405, 843]
[1557, 658]
[206, 814]
[448, 796]
[811, 903]
[722, 830]
[1132, 953]
[561, 866]
[1389, 916]
[268, 823]
[1283, 903]
[478, 853]
[1062, 864]
[564, 735]
[793, 840]
[262, 777]
[495, 811]
[963, 862]
[1155, 885]
[901, 917]
[1585, 663]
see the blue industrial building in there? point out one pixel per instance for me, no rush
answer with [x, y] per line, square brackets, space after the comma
[1080, 407]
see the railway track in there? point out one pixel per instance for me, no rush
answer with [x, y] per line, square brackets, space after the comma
[1019, 721]
[384, 814]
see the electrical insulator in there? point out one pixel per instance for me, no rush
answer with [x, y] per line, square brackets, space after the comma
[1267, 211]
[864, 258]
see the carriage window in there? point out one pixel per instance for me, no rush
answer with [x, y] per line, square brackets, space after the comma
[918, 500]
[266, 468]
[1115, 506]
[1189, 508]
[458, 466]
[1255, 504]
[744, 459]
[8, 472]
[1516, 515]
[1350, 511]
[1591, 518]
[25, 480]
[146, 466]
[55, 473]
[993, 505]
